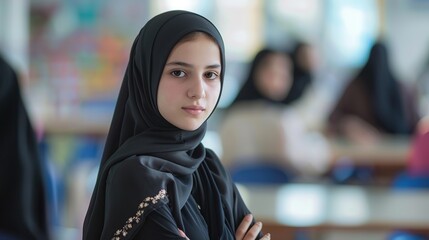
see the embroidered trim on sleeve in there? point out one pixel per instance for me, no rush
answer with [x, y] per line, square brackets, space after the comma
[120, 233]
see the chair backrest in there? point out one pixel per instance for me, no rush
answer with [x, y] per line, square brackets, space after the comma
[401, 235]
[407, 181]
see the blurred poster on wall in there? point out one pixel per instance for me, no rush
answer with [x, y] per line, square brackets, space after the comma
[78, 53]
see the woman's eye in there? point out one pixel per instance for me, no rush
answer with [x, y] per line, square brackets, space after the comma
[178, 73]
[211, 75]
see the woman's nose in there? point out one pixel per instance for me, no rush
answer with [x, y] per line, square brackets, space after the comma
[196, 89]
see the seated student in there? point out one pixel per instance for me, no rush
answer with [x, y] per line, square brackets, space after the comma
[22, 203]
[258, 126]
[374, 104]
[416, 175]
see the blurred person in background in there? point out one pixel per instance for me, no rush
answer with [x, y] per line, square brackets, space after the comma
[418, 162]
[22, 204]
[259, 126]
[269, 78]
[374, 104]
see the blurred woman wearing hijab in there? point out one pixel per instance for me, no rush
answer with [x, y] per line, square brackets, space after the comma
[156, 179]
[22, 204]
[301, 65]
[260, 128]
[374, 103]
[309, 98]
[266, 80]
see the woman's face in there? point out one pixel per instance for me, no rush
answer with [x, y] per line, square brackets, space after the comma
[274, 76]
[190, 82]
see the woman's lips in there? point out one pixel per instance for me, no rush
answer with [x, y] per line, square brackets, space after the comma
[194, 110]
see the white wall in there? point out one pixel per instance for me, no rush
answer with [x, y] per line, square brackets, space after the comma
[407, 28]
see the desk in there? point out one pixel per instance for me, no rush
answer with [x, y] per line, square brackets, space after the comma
[387, 158]
[389, 152]
[315, 207]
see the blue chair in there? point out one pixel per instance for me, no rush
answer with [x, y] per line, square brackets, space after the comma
[405, 181]
[345, 172]
[400, 235]
[259, 173]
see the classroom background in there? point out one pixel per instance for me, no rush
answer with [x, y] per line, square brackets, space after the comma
[71, 56]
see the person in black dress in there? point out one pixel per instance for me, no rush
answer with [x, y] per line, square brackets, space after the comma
[22, 203]
[156, 179]
[374, 104]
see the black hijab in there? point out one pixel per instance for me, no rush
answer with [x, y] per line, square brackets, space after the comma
[138, 128]
[249, 91]
[22, 204]
[385, 91]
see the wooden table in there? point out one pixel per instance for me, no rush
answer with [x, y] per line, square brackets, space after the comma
[391, 151]
[387, 159]
[290, 208]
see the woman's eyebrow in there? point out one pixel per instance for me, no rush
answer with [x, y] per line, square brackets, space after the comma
[183, 64]
[214, 66]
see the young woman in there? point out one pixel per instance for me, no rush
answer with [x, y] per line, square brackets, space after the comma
[156, 179]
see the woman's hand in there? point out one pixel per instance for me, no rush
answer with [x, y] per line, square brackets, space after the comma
[182, 234]
[244, 233]
[423, 125]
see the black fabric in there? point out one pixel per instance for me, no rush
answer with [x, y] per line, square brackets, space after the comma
[385, 91]
[221, 189]
[22, 204]
[144, 154]
[221, 207]
[161, 223]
